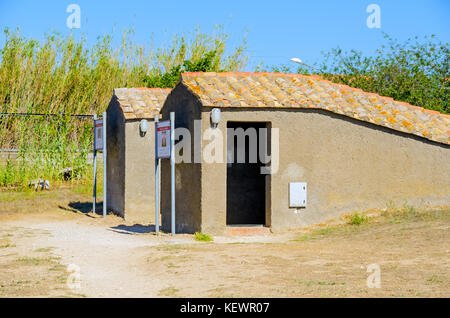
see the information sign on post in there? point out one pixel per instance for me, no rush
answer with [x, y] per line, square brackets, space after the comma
[99, 144]
[165, 148]
[163, 139]
[98, 134]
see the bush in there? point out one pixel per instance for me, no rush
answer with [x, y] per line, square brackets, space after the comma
[416, 72]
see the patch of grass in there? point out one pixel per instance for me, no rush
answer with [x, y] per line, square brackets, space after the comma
[5, 243]
[169, 291]
[171, 247]
[57, 267]
[325, 231]
[392, 214]
[303, 239]
[61, 279]
[20, 282]
[435, 279]
[321, 283]
[407, 213]
[357, 219]
[25, 193]
[202, 237]
[44, 249]
[318, 233]
[35, 260]
[172, 265]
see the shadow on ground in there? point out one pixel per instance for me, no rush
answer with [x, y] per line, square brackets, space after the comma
[83, 207]
[133, 229]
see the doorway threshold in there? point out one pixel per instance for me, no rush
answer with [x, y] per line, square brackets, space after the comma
[247, 230]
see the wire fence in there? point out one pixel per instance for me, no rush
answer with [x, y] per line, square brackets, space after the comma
[11, 130]
[35, 145]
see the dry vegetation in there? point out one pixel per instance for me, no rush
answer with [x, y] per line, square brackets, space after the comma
[40, 235]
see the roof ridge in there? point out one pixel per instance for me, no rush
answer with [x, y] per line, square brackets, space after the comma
[141, 102]
[317, 78]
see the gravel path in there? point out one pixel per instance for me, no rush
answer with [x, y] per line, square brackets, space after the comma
[107, 252]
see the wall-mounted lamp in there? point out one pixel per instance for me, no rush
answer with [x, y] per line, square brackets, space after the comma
[143, 126]
[215, 117]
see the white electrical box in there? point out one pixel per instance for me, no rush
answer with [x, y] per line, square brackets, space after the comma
[297, 194]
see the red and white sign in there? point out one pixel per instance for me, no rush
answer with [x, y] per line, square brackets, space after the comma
[98, 134]
[163, 139]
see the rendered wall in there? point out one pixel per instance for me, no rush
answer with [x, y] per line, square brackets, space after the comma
[130, 168]
[139, 173]
[349, 166]
[188, 186]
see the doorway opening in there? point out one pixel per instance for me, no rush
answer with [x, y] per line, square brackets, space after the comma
[246, 185]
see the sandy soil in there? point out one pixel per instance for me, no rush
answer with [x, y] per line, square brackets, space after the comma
[116, 259]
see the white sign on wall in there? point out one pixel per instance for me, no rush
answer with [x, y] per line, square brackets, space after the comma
[297, 194]
[163, 139]
[98, 134]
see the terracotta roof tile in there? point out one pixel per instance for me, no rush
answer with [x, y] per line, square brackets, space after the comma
[281, 90]
[141, 102]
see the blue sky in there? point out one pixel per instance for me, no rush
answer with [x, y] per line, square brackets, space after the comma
[277, 30]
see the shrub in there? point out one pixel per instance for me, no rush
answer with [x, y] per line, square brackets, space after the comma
[416, 71]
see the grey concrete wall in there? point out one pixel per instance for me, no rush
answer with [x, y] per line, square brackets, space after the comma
[188, 175]
[115, 143]
[349, 166]
[139, 173]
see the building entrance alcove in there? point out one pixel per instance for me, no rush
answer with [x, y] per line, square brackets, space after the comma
[246, 185]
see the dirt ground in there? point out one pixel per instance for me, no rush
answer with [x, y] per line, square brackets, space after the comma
[50, 247]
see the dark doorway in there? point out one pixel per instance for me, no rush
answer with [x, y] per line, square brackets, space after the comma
[246, 186]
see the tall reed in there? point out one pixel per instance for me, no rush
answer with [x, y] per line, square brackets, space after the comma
[64, 75]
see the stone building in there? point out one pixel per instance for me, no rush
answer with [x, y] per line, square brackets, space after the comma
[340, 150]
[130, 152]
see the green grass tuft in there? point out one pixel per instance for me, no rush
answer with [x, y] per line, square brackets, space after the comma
[202, 237]
[357, 219]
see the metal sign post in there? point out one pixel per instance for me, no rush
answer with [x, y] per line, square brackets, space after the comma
[94, 190]
[157, 176]
[165, 148]
[104, 165]
[172, 168]
[99, 144]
